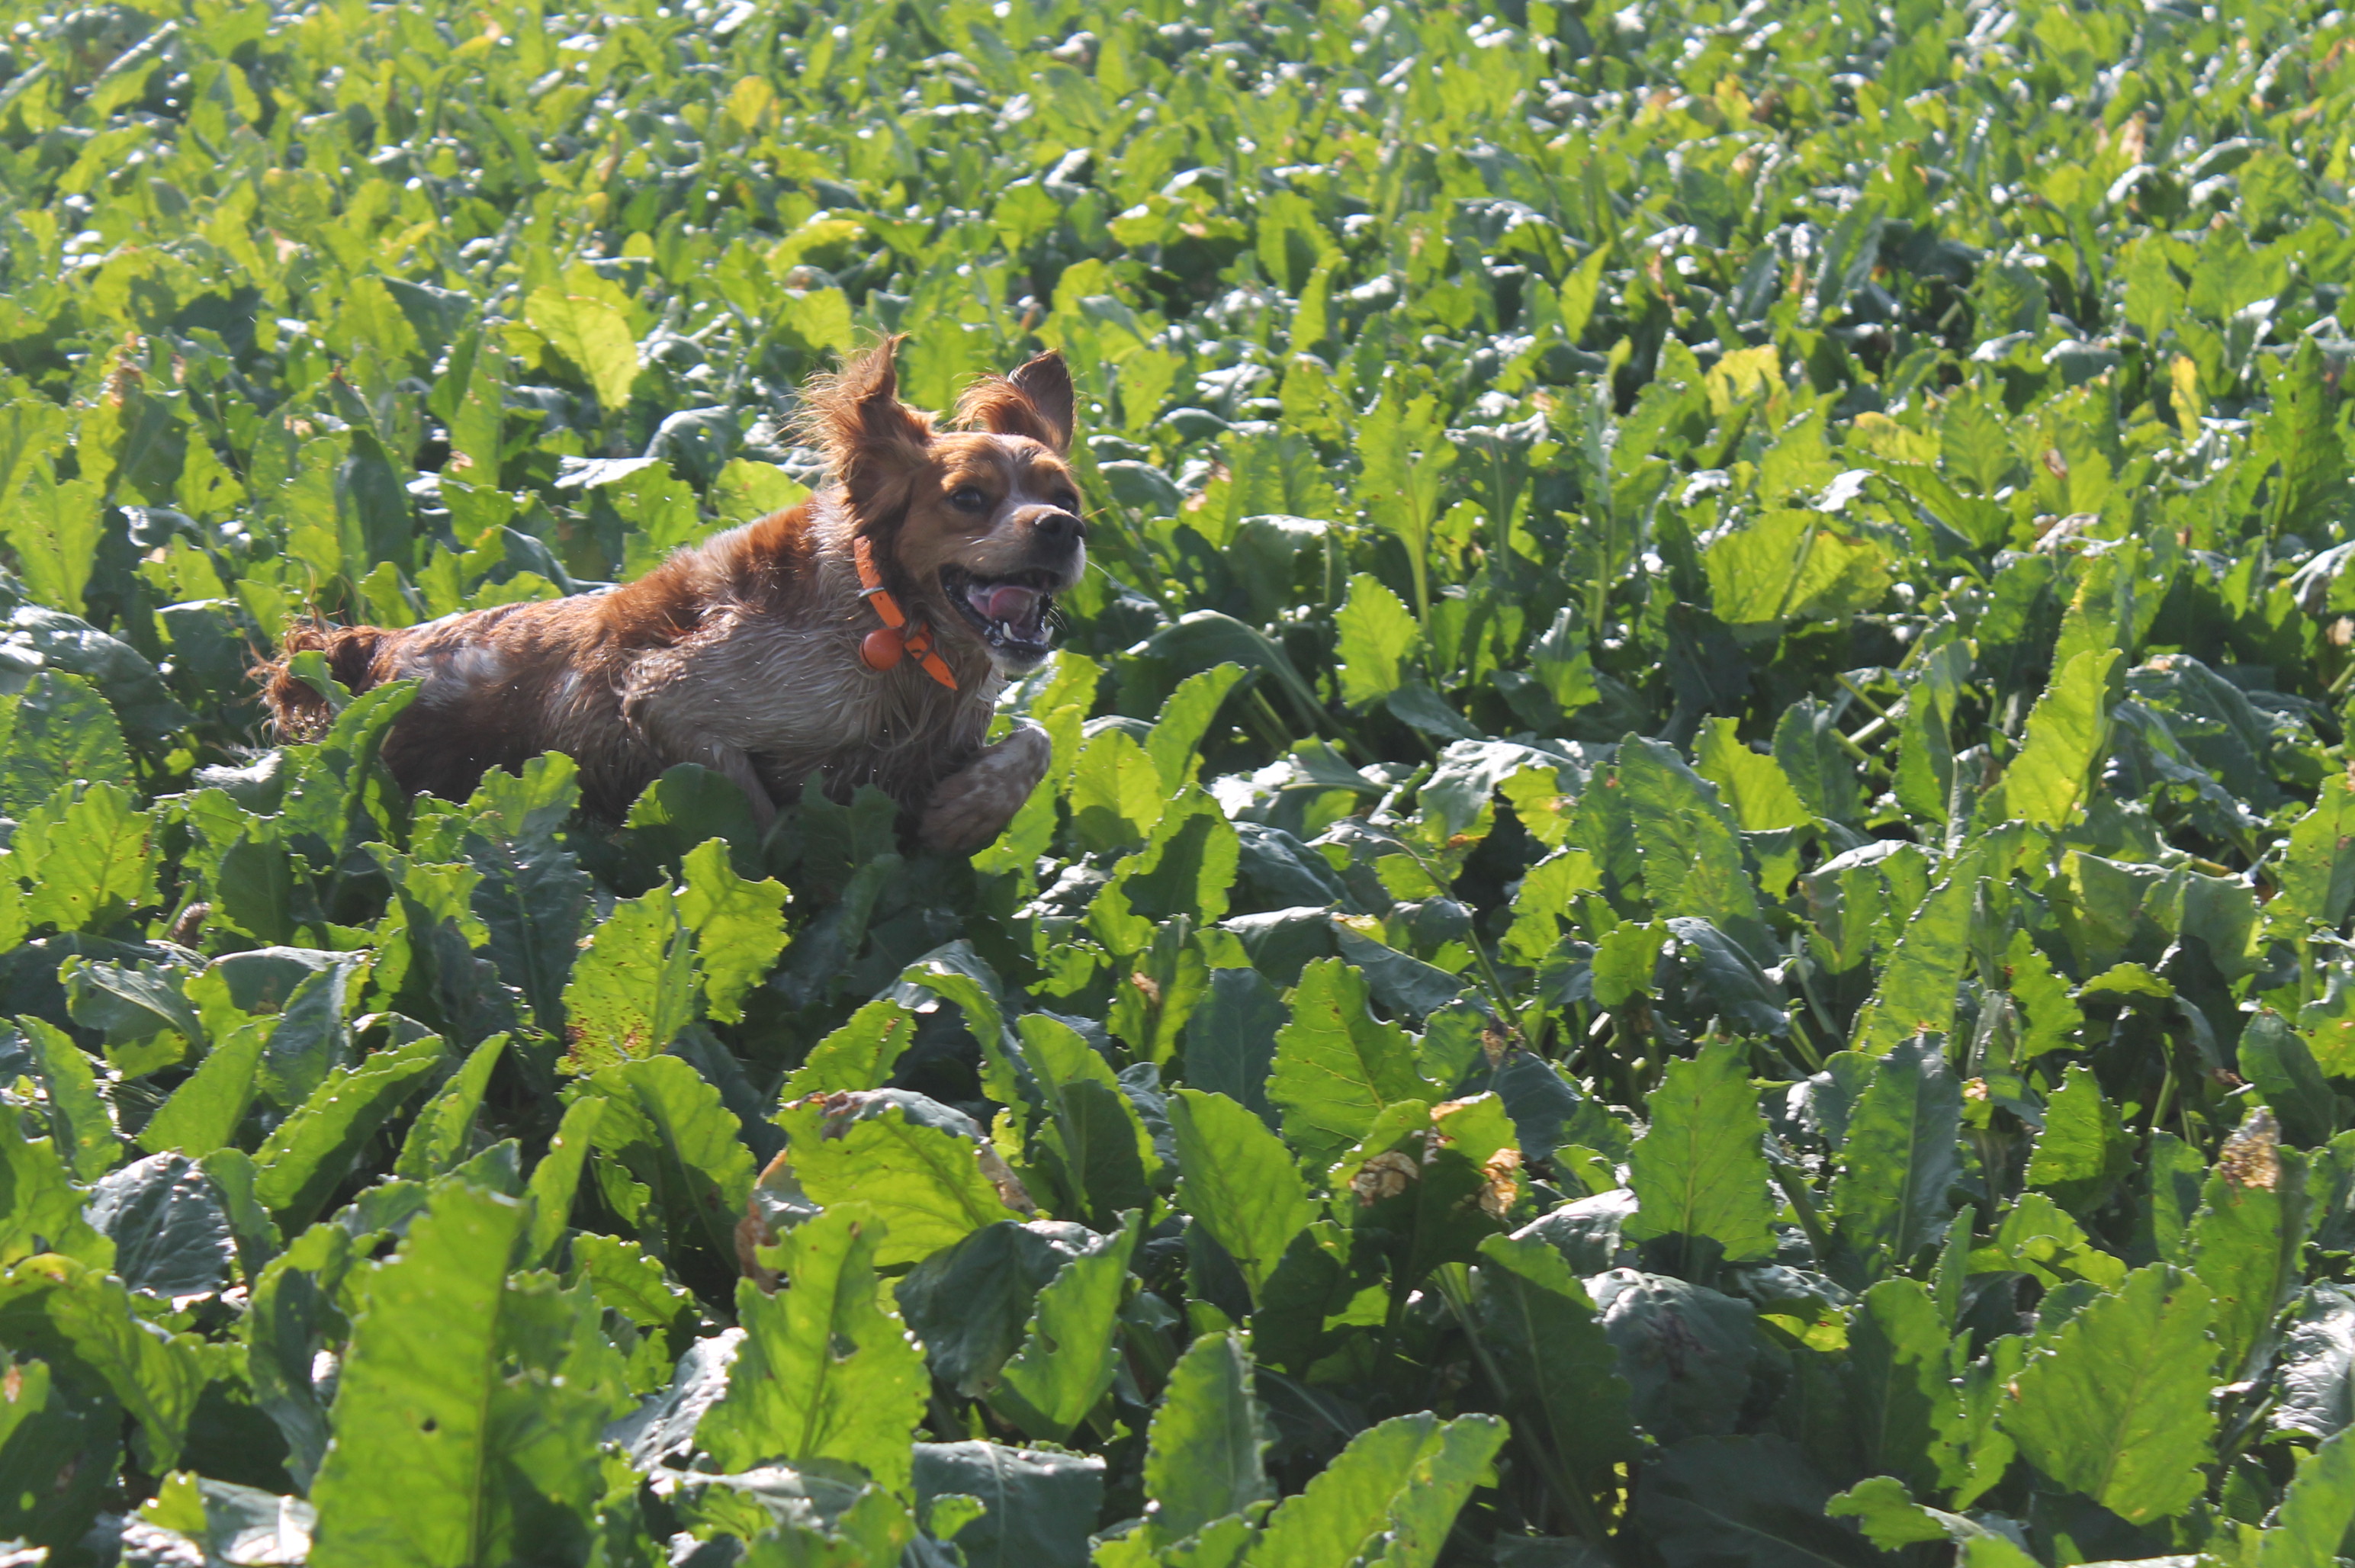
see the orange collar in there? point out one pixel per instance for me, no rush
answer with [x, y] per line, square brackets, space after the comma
[882, 647]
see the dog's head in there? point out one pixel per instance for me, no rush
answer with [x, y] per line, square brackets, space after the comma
[976, 527]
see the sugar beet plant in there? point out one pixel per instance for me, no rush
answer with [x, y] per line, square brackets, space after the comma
[1693, 903]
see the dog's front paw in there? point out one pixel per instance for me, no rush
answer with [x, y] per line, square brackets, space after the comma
[973, 806]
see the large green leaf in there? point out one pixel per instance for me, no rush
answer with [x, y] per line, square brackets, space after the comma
[858, 1055]
[1066, 1358]
[593, 336]
[203, 1112]
[59, 731]
[82, 1321]
[55, 531]
[827, 1371]
[91, 864]
[1560, 1373]
[556, 1178]
[2298, 431]
[1204, 1456]
[1903, 1395]
[312, 1150]
[2083, 1150]
[2117, 1405]
[1184, 719]
[1184, 871]
[1389, 1497]
[505, 1464]
[1794, 565]
[924, 1184]
[2244, 1242]
[1116, 794]
[439, 1138]
[2068, 735]
[2317, 868]
[1916, 994]
[1378, 638]
[40, 1209]
[1691, 852]
[1237, 1182]
[1700, 1168]
[668, 1124]
[634, 986]
[79, 1118]
[1722, 1500]
[1093, 1138]
[738, 927]
[533, 893]
[1900, 1156]
[1338, 1067]
[1753, 785]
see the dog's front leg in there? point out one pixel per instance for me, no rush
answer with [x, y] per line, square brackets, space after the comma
[973, 804]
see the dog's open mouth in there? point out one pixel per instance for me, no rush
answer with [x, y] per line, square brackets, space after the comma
[1010, 613]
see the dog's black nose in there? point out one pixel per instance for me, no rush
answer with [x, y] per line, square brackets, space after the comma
[1058, 527]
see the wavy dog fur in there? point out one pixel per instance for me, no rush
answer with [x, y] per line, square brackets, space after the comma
[742, 654]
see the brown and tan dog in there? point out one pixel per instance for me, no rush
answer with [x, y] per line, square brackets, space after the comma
[861, 638]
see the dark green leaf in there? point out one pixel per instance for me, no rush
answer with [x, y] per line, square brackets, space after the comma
[1066, 1362]
[1718, 1502]
[172, 1236]
[533, 893]
[1040, 1507]
[1899, 1155]
[1560, 1370]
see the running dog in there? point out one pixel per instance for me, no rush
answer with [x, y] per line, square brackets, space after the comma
[861, 638]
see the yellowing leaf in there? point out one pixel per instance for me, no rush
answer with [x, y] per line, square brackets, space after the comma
[592, 336]
[1794, 565]
[925, 1184]
[2067, 737]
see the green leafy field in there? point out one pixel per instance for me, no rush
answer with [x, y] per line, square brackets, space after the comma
[1693, 905]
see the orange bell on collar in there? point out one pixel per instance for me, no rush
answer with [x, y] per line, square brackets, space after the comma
[883, 647]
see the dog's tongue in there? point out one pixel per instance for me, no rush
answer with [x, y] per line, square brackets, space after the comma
[1007, 601]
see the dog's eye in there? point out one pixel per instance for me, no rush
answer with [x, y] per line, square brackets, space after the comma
[1069, 502]
[968, 499]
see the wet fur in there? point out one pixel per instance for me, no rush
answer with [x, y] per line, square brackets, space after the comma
[743, 652]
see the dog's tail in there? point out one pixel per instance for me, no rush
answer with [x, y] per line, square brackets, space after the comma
[298, 710]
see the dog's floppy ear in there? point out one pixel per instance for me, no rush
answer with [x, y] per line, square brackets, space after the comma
[868, 435]
[1036, 402]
